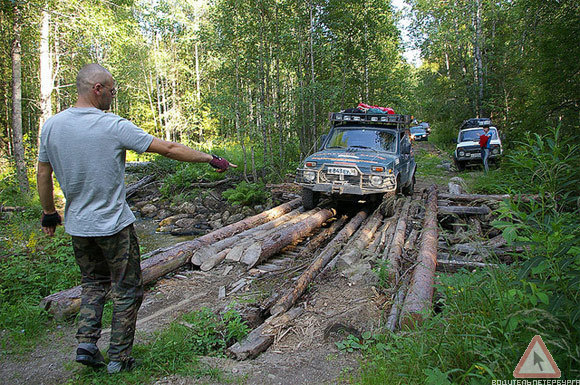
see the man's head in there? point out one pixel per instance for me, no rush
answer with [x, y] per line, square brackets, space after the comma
[485, 128]
[95, 86]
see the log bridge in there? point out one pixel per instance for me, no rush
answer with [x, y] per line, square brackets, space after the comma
[412, 236]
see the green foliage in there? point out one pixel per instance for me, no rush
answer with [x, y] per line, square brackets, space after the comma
[550, 255]
[364, 343]
[247, 194]
[480, 334]
[176, 350]
[33, 266]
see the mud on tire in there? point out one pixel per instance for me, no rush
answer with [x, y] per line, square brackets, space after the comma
[310, 199]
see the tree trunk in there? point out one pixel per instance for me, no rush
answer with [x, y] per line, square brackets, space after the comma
[313, 85]
[46, 75]
[353, 253]
[17, 141]
[464, 210]
[396, 247]
[265, 249]
[419, 298]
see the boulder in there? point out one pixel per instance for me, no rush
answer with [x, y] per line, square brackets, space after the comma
[149, 210]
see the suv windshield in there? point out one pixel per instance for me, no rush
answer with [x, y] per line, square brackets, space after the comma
[473, 135]
[363, 138]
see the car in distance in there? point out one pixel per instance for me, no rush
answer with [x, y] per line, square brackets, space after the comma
[364, 156]
[467, 150]
[418, 133]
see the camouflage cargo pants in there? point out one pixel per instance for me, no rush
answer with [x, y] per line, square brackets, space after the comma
[110, 263]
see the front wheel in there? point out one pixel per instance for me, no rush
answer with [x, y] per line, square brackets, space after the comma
[408, 190]
[310, 198]
[460, 165]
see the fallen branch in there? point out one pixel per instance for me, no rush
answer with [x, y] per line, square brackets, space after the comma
[450, 266]
[393, 254]
[463, 210]
[135, 187]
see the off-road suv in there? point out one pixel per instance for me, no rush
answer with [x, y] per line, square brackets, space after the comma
[363, 156]
[467, 150]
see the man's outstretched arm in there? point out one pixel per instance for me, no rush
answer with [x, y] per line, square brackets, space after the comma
[183, 153]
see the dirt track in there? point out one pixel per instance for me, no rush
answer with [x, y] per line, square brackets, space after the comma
[302, 353]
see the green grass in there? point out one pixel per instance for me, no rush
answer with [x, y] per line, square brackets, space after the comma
[177, 350]
[480, 334]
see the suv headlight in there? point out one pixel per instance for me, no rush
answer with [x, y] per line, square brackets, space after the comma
[309, 176]
[461, 153]
[376, 180]
[495, 151]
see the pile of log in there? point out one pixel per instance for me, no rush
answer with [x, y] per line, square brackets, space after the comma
[66, 303]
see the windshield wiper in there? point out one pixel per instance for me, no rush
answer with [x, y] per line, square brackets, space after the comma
[335, 147]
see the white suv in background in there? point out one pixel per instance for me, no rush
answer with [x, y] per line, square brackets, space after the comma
[467, 150]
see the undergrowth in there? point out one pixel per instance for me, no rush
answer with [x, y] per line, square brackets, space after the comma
[176, 350]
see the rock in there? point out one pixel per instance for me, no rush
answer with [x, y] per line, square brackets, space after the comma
[202, 210]
[165, 229]
[216, 217]
[149, 210]
[235, 218]
[172, 219]
[216, 224]
[225, 216]
[188, 231]
[258, 208]
[212, 203]
[140, 205]
[163, 213]
[187, 207]
[247, 211]
[186, 222]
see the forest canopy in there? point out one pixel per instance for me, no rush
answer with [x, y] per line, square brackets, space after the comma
[263, 75]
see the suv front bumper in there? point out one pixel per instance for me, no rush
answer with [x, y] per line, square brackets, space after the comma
[343, 184]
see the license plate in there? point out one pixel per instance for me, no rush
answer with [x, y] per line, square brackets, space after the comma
[341, 171]
[476, 155]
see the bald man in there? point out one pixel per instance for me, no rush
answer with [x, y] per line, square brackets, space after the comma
[85, 148]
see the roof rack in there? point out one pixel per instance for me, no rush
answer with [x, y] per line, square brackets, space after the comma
[475, 122]
[385, 119]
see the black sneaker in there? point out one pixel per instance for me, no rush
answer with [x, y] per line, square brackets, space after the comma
[90, 355]
[121, 366]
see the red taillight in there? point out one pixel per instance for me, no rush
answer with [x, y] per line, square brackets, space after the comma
[310, 164]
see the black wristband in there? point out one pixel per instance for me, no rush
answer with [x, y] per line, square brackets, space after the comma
[50, 220]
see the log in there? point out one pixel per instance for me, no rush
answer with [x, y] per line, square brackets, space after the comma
[292, 295]
[205, 253]
[396, 307]
[353, 253]
[214, 260]
[419, 298]
[262, 250]
[66, 303]
[455, 188]
[394, 251]
[244, 244]
[411, 239]
[451, 266]
[210, 184]
[473, 197]
[262, 337]
[379, 240]
[135, 187]
[464, 210]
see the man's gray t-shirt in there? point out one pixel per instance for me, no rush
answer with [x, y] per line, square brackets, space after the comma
[86, 148]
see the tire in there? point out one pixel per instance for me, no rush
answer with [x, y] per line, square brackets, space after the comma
[310, 198]
[408, 190]
[460, 165]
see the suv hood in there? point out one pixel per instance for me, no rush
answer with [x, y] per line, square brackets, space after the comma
[360, 157]
[471, 144]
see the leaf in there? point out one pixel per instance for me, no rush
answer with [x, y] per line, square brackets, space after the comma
[367, 335]
[543, 297]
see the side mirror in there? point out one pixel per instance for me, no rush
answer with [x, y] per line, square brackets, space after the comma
[406, 148]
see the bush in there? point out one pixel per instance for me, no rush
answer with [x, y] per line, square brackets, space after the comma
[247, 194]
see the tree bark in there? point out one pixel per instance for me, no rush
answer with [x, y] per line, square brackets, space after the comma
[271, 245]
[353, 253]
[419, 298]
[464, 210]
[17, 141]
[46, 75]
[395, 249]
[292, 295]
[162, 261]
